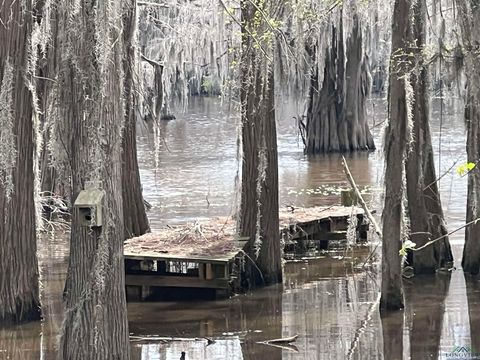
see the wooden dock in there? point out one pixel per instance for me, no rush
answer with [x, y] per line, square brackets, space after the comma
[193, 256]
[315, 228]
[208, 257]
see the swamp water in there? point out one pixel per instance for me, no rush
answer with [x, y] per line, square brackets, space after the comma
[330, 301]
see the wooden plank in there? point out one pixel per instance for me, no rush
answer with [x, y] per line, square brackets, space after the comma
[332, 235]
[174, 281]
[186, 258]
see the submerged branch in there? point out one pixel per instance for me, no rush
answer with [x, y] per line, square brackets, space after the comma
[282, 343]
[285, 340]
[288, 347]
[363, 325]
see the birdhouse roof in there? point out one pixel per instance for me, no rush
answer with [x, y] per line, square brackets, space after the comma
[89, 197]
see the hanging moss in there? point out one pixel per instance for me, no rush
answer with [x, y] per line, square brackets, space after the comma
[8, 151]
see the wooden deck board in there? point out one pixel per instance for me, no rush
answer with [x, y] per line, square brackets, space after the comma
[215, 241]
[174, 281]
[219, 259]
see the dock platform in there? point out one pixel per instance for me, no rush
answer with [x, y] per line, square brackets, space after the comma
[208, 257]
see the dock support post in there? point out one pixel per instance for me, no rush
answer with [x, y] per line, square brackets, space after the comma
[209, 272]
[201, 271]
[349, 198]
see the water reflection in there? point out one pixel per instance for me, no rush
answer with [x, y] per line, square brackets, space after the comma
[392, 331]
[425, 299]
[331, 302]
[473, 298]
[20, 342]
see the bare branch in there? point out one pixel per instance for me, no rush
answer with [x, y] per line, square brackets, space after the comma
[150, 61]
[147, 3]
[445, 235]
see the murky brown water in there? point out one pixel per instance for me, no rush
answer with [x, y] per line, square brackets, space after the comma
[330, 302]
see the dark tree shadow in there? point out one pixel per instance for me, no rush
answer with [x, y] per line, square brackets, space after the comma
[473, 297]
[425, 309]
[263, 312]
[21, 342]
[392, 330]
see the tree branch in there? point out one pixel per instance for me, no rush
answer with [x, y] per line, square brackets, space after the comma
[445, 235]
[364, 205]
[147, 3]
[150, 61]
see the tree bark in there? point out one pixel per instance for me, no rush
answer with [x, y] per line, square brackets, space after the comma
[258, 214]
[91, 106]
[19, 274]
[396, 135]
[135, 216]
[336, 115]
[46, 71]
[155, 98]
[469, 13]
[424, 203]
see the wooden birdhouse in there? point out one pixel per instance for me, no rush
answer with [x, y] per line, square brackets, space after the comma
[89, 207]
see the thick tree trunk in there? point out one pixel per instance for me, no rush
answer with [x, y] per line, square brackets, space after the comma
[135, 216]
[357, 89]
[424, 203]
[396, 135]
[469, 12]
[258, 216]
[336, 115]
[46, 71]
[471, 250]
[90, 100]
[19, 276]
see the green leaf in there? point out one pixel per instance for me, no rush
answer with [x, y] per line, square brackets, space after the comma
[406, 246]
[465, 168]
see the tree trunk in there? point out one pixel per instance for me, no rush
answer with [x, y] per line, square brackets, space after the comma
[258, 215]
[46, 71]
[91, 108]
[357, 89]
[424, 203]
[154, 97]
[469, 12]
[135, 216]
[336, 115]
[396, 135]
[19, 276]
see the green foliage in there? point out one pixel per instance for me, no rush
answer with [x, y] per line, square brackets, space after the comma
[407, 245]
[464, 169]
